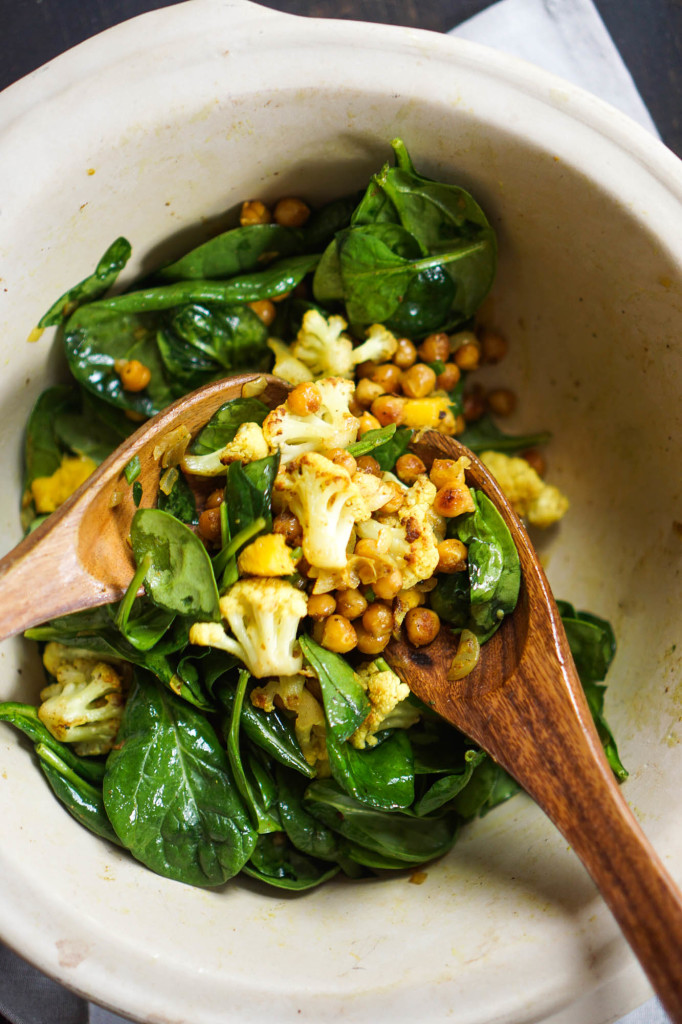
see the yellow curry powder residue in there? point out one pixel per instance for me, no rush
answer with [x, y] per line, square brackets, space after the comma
[49, 492]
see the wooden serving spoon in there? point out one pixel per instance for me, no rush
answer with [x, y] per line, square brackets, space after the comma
[80, 557]
[524, 705]
[523, 702]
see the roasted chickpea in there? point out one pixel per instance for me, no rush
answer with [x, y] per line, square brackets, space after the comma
[350, 603]
[450, 376]
[493, 346]
[405, 355]
[388, 409]
[366, 548]
[452, 556]
[422, 626]
[338, 634]
[291, 213]
[321, 606]
[444, 472]
[388, 586]
[254, 212]
[371, 643]
[368, 464]
[264, 310]
[355, 408]
[452, 501]
[209, 525]
[501, 401]
[304, 399]
[467, 356]
[215, 499]
[286, 523]
[365, 369]
[134, 375]
[387, 376]
[473, 403]
[367, 391]
[340, 457]
[435, 348]
[535, 460]
[378, 619]
[419, 381]
[408, 467]
[367, 423]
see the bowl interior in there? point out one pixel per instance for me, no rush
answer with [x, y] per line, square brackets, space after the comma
[158, 141]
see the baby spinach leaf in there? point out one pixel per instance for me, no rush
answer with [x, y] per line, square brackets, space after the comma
[232, 252]
[345, 703]
[445, 788]
[484, 435]
[451, 599]
[489, 786]
[306, 833]
[180, 577]
[82, 799]
[25, 718]
[493, 565]
[325, 222]
[261, 820]
[42, 449]
[371, 440]
[390, 451]
[381, 777]
[232, 335]
[180, 502]
[277, 862]
[223, 425]
[106, 272]
[270, 731]
[94, 429]
[403, 837]
[248, 493]
[170, 794]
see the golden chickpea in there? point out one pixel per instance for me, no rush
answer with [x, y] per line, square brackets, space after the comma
[366, 548]
[452, 501]
[435, 348]
[535, 460]
[473, 403]
[365, 369]
[321, 606]
[286, 523]
[368, 464]
[350, 603]
[388, 409]
[422, 626]
[371, 643]
[387, 376]
[134, 375]
[444, 472]
[340, 457]
[338, 634]
[452, 556]
[408, 467]
[291, 213]
[355, 408]
[215, 499]
[367, 391]
[304, 399]
[209, 525]
[419, 381]
[493, 346]
[501, 401]
[378, 619]
[264, 310]
[405, 355]
[254, 212]
[467, 356]
[367, 423]
[388, 586]
[449, 378]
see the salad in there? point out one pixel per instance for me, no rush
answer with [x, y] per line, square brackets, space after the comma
[241, 715]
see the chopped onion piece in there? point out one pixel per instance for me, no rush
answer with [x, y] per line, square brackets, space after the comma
[466, 659]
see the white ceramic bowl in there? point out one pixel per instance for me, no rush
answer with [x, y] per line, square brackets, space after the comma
[159, 126]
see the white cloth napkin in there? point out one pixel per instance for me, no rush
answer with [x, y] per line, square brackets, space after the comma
[568, 38]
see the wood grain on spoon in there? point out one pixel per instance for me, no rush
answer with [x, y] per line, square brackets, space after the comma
[80, 556]
[524, 705]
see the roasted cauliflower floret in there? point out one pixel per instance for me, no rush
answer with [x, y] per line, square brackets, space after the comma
[386, 694]
[412, 535]
[287, 366]
[247, 445]
[332, 425]
[49, 492]
[264, 615]
[85, 705]
[322, 346]
[267, 555]
[291, 694]
[531, 498]
[326, 503]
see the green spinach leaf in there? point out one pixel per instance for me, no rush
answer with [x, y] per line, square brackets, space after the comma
[381, 777]
[345, 703]
[106, 272]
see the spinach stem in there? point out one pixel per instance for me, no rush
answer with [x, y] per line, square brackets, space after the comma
[48, 755]
[126, 604]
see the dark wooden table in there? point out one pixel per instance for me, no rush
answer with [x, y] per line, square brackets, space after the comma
[648, 34]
